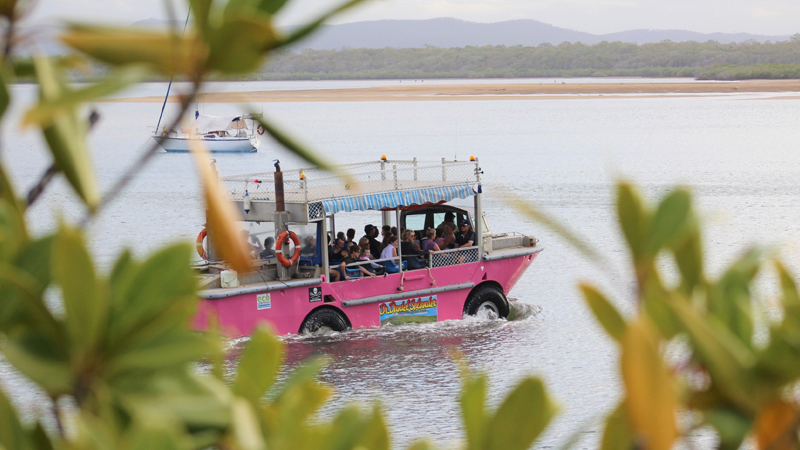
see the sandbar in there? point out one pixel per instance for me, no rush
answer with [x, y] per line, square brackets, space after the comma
[411, 91]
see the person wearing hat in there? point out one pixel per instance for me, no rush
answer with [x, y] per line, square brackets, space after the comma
[465, 236]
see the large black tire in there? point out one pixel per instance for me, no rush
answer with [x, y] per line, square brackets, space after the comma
[487, 296]
[324, 318]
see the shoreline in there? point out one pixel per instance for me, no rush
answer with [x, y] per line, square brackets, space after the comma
[511, 91]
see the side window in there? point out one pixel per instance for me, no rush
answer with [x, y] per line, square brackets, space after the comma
[415, 222]
[437, 219]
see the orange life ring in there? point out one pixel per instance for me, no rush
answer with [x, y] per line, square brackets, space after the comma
[279, 244]
[201, 250]
[260, 130]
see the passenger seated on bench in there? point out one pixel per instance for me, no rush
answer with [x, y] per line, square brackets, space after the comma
[466, 237]
[430, 243]
[448, 237]
[353, 257]
[390, 251]
[335, 255]
[448, 218]
[268, 251]
[309, 246]
[366, 255]
[411, 253]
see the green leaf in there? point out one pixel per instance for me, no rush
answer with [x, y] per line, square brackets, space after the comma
[47, 109]
[7, 7]
[8, 194]
[5, 96]
[726, 358]
[271, 6]
[240, 44]
[689, 259]
[650, 397]
[83, 295]
[732, 426]
[521, 418]
[421, 445]
[617, 434]
[673, 217]
[374, 435]
[41, 360]
[308, 371]
[165, 282]
[633, 219]
[604, 312]
[473, 408]
[66, 136]
[258, 366]
[790, 297]
[246, 429]
[163, 52]
[12, 433]
[201, 10]
[730, 298]
[13, 233]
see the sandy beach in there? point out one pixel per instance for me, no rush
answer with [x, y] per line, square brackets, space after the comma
[419, 91]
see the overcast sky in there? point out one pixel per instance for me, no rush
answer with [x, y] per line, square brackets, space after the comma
[769, 17]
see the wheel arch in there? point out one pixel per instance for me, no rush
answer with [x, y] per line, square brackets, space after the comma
[329, 307]
[484, 283]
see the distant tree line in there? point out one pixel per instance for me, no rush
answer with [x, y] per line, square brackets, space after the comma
[702, 60]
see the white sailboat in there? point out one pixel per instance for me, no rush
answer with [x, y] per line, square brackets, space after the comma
[220, 134]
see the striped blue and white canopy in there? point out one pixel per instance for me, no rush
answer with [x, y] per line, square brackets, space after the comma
[391, 200]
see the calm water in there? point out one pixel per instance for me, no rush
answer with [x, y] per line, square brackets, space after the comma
[739, 153]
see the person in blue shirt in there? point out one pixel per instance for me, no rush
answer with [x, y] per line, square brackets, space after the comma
[465, 236]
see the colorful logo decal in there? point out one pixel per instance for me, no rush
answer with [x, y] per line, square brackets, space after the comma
[412, 310]
[264, 301]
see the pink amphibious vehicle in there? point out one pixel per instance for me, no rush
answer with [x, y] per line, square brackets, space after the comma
[298, 295]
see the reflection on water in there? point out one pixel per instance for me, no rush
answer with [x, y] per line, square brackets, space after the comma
[409, 365]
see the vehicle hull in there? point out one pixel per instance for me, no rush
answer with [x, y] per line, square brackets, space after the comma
[360, 300]
[216, 145]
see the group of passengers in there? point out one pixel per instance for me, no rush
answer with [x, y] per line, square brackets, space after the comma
[415, 249]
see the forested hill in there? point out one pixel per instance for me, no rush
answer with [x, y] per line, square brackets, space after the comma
[449, 32]
[706, 60]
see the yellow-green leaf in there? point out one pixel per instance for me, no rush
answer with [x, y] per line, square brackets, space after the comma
[84, 297]
[473, 408]
[164, 52]
[617, 434]
[12, 433]
[634, 219]
[66, 136]
[47, 109]
[221, 215]
[258, 366]
[726, 358]
[246, 429]
[689, 259]
[604, 312]
[673, 217]
[240, 44]
[650, 397]
[521, 418]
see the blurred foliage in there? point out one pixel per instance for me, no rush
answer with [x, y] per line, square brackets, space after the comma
[725, 378]
[114, 352]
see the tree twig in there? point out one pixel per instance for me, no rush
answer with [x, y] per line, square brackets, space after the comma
[37, 190]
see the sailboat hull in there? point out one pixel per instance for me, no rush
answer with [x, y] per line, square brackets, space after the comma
[216, 145]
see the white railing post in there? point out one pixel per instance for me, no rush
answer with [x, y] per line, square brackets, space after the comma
[415, 168]
[444, 171]
[394, 172]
